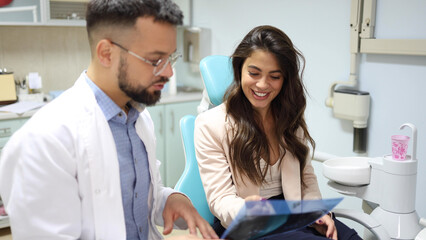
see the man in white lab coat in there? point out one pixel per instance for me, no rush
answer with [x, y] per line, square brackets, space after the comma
[84, 166]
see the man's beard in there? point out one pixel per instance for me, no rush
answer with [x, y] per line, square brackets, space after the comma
[140, 94]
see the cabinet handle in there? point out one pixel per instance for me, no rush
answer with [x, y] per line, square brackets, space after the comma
[172, 128]
[5, 132]
[161, 124]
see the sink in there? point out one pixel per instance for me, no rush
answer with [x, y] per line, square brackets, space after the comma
[350, 171]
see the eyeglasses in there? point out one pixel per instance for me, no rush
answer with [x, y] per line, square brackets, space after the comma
[160, 65]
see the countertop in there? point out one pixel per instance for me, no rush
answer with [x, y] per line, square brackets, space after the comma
[10, 115]
[165, 99]
[180, 97]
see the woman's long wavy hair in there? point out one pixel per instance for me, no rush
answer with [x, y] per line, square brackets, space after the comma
[249, 142]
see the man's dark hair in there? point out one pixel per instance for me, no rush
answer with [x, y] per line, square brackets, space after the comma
[124, 13]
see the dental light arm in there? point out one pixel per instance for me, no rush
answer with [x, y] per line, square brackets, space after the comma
[355, 25]
[351, 104]
[352, 82]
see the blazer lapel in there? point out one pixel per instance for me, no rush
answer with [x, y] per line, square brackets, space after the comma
[290, 178]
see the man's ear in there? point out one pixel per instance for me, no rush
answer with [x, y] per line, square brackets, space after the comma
[104, 52]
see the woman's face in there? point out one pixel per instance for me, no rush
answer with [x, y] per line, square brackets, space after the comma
[261, 80]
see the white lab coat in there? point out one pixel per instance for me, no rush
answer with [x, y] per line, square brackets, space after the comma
[59, 174]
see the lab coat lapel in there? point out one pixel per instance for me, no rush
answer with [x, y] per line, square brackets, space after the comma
[104, 168]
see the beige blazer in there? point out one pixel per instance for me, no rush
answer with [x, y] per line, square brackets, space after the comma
[225, 191]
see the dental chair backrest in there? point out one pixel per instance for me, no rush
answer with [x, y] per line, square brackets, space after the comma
[217, 74]
[190, 182]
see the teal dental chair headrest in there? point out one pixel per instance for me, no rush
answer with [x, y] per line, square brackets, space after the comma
[217, 74]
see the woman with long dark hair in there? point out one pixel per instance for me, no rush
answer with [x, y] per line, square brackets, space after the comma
[256, 144]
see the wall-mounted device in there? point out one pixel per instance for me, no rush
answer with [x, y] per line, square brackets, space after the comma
[353, 105]
[197, 44]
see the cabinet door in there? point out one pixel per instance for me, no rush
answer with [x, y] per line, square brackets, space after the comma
[22, 11]
[67, 12]
[10, 126]
[3, 142]
[7, 128]
[174, 148]
[157, 115]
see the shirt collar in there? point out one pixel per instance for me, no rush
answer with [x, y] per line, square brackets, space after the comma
[138, 106]
[107, 105]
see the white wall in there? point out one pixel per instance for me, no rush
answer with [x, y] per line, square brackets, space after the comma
[320, 29]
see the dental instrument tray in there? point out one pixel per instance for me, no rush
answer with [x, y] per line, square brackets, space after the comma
[273, 217]
[349, 171]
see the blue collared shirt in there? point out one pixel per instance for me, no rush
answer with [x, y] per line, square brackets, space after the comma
[133, 162]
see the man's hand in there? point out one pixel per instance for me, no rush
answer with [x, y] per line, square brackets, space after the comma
[177, 205]
[184, 237]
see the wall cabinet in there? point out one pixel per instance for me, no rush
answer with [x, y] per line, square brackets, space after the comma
[170, 151]
[24, 11]
[44, 12]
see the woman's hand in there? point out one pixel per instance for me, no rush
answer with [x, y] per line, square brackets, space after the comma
[325, 226]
